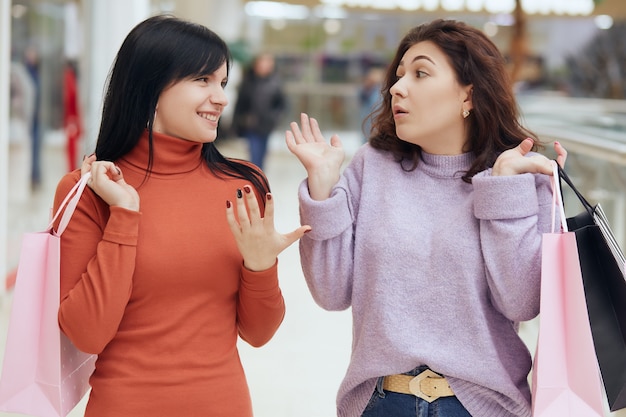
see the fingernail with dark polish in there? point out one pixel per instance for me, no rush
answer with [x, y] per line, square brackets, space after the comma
[227, 203]
[239, 194]
[268, 196]
[247, 189]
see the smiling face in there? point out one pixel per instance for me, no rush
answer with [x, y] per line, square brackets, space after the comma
[428, 101]
[190, 108]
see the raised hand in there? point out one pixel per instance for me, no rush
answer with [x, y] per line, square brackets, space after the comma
[322, 160]
[514, 161]
[108, 182]
[257, 239]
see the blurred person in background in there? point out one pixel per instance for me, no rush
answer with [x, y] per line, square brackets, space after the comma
[370, 98]
[260, 105]
[432, 234]
[22, 96]
[21, 107]
[32, 63]
[71, 113]
[171, 254]
[21, 113]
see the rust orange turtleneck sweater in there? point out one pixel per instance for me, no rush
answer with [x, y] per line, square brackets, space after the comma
[161, 295]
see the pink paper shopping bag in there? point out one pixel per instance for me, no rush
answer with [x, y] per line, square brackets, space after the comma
[566, 377]
[43, 374]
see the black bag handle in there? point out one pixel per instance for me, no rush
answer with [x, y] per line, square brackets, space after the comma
[588, 207]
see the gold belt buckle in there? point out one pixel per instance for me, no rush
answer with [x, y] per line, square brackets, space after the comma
[420, 387]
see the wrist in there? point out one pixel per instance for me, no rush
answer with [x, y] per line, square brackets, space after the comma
[131, 205]
[321, 184]
[258, 266]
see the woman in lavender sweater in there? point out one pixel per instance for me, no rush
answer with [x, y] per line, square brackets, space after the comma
[432, 234]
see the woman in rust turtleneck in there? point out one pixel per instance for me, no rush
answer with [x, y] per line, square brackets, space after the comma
[171, 254]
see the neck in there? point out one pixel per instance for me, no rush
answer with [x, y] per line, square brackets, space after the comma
[170, 155]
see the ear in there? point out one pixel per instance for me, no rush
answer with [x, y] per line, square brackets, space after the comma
[466, 95]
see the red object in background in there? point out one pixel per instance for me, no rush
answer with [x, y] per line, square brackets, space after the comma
[9, 281]
[71, 115]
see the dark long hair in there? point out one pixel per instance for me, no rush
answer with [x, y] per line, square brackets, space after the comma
[493, 125]
[157, 52]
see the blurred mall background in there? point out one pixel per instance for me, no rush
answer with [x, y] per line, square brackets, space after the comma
[568, 59]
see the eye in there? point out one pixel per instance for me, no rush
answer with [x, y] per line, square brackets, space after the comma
[203, 79]
[421, 74]
[224, 83]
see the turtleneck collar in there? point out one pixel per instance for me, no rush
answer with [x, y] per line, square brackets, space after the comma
[446, 166]
[170, 155]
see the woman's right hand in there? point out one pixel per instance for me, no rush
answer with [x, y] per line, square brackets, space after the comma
[322, 160]
[108, 182]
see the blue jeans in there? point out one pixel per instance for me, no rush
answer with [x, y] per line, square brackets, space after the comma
[258, 147]
[392, 404]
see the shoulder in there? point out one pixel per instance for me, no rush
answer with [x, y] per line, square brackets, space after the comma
[67, 182]
[367, 159]
[89, 197]
[65, 185]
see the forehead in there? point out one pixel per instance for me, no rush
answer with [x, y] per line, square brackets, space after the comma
[219, 74]
[222, 70]
[425, 50]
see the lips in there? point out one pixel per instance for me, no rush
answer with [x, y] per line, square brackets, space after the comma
[399, 110]
[212, 117]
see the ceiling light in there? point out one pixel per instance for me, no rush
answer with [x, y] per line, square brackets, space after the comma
[490, 29]
[332, 26]
[409, 5]
[452, 5]
[604, 21]
[327, 11]
[276, 10]
[18, 11]
[560, 7]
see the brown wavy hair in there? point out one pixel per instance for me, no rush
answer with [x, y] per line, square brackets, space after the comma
[493, 125]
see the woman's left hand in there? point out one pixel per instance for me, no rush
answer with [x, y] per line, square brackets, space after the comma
[256, 237]
[514, 161]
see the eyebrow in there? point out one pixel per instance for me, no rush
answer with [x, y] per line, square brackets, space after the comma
[417, 58]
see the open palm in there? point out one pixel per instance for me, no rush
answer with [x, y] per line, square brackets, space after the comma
[321, 159]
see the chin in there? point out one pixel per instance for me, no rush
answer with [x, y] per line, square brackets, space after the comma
[407, 138]
[204, 138]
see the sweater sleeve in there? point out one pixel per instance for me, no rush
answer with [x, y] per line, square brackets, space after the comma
[327, 251]
[514, 212]
[98, 251]
[261, 307]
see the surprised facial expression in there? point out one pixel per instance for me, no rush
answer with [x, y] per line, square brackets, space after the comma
[428, 101]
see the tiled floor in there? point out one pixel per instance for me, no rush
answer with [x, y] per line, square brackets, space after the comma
[298, 372]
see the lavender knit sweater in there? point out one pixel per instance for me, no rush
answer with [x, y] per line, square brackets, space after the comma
[438, 272]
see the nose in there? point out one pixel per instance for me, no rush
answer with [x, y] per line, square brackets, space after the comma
[219, 97]
[397, 89]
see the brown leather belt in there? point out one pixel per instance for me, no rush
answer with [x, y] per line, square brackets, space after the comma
[428, 385]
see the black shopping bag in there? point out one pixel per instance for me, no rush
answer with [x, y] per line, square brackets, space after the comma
[603, 267]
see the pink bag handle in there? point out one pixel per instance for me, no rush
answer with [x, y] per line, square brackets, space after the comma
[557, 198]
[71, 200]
